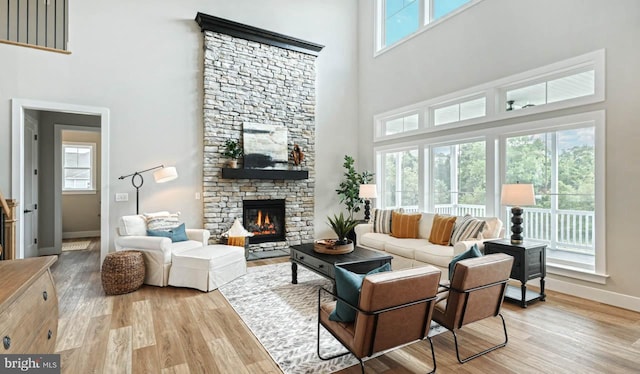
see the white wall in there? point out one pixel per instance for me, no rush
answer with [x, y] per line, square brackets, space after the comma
[143, 61]
[497, 38]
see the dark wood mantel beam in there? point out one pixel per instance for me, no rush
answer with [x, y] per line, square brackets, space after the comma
[240, 30]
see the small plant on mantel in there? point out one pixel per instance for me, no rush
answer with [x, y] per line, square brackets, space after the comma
[233, 151]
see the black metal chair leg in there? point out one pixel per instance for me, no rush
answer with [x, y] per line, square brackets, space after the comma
[330, 357]
[506, 339]
[433, 356]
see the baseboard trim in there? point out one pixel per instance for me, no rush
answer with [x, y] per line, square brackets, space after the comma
[80, 234]
[47, 251]
[594, 294]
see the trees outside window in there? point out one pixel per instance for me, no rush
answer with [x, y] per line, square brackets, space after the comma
[459, 178]
[561, 167]
[400, 187]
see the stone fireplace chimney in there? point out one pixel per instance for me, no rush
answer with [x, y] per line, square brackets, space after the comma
[253, 75]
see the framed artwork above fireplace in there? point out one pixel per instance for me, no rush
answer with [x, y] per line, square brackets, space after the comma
[265, 146]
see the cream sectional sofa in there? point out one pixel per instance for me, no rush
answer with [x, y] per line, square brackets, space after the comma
[409, 253]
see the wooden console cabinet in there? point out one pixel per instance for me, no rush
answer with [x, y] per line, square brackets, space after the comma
[28, 306]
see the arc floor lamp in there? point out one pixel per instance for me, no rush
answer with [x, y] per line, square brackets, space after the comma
[162, 175]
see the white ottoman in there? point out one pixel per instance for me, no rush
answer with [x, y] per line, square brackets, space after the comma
[207, 268]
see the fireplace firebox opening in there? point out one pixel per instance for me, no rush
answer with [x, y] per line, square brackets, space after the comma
[265, 219]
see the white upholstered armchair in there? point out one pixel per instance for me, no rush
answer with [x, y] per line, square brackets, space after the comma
[132, 234]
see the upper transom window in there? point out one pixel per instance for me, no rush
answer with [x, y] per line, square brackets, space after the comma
[398, 19]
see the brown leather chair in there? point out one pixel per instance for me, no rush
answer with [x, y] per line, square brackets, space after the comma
[394, 309]
[475, 293]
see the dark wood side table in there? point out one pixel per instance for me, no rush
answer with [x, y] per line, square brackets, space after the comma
[529, 262]
[360, 261]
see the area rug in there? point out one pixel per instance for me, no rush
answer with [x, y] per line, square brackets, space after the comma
[76, 245]
[283, 316]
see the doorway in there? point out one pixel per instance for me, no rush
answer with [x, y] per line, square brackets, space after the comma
[18, 184]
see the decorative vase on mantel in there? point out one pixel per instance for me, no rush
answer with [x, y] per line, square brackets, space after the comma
[232, 164]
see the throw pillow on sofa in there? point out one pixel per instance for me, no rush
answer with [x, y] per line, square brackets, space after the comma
[348, 285]
[382, 220]
[471, 253]
[466, 228]
[405, 225]
[442, 229]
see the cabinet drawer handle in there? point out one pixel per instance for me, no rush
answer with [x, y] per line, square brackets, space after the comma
[6, 342]
[301, 257]
[45, 296]
[49, 335]
[320, 266]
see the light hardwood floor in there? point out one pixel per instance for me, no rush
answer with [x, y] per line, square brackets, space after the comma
[177, 330]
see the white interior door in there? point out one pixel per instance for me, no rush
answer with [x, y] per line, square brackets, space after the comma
[30, 204]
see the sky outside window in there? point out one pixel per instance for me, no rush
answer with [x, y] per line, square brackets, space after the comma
[401, 19]
[443, 7]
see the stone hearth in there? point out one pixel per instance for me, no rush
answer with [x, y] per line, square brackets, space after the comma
[257, 76]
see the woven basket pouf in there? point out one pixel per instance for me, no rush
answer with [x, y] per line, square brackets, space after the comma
[122, 272]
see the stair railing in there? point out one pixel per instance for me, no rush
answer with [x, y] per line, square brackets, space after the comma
[8, 228]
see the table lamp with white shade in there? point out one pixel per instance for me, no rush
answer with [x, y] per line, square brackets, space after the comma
[516, 196]
[367, 192]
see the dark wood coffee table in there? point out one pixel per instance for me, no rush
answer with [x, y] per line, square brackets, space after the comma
[360, 261]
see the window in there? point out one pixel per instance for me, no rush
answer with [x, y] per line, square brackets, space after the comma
[401, 18]
[440, 8]
[402, 124]
[398, 19]
[561, 166]
[78, 167]
[459, 179]
[400, 178]
[566, 84]
[459, 172]
[459, 112]
[554, 90]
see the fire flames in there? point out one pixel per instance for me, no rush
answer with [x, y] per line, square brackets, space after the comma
[263, 225]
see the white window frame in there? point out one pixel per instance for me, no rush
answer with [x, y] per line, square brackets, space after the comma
[424, 23]
[80, 191]
[495, 93]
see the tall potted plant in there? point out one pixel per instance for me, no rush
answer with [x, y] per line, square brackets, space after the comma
[349, 188]
[233, 151]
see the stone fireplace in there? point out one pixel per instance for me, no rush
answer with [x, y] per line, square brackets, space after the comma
[258, 76]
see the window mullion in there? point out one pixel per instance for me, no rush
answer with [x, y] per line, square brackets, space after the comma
[399, 179]
[423, 176]
[453, 178]
[554, 191]
[424, 12]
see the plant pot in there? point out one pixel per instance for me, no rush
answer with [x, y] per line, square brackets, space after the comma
[232, 164]
[328, 246]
